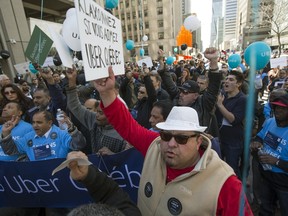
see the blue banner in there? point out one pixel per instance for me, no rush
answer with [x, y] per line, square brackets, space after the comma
[31, 184]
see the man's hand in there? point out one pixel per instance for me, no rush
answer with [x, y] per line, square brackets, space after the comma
[212, 55]
[106, 88]
[72, 76]
[105, 151]
[47, 75]
[9, 125]
[267, 159]
[77, 172]
[255, 146]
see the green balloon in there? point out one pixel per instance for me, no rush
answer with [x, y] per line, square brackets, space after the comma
[175, 49]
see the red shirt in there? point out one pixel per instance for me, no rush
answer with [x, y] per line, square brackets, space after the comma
[230, 195]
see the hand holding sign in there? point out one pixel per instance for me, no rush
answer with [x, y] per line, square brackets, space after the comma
[78, 164]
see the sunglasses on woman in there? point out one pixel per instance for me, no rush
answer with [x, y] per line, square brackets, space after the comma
[9, 92]
[180, 139]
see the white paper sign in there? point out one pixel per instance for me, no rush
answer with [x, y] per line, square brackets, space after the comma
[62, 48]
[282, 62]
[64, 164]
[22, 67]
[101, 40]
[147, 61]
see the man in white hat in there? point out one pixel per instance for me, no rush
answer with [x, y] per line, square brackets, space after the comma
[181, 174]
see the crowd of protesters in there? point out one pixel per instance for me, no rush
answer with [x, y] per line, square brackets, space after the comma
[219, 95]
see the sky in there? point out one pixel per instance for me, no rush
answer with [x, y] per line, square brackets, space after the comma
[203, 8]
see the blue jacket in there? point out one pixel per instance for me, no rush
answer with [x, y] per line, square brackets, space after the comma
[57, 144]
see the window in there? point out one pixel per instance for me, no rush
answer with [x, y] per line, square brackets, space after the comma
[160, 23]
[161, 35]
[128, 15]
[145, 13]
[159, 10]
[134, 15]
[129, 27]
[146, 24]
[135, 27]
[161, 47]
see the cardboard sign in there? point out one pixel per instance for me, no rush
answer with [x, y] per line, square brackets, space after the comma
[147, 61]
[62, 48]
[101, 40]
[281, 61]
[38, 47]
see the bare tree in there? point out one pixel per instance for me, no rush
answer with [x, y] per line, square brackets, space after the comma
[275, 14]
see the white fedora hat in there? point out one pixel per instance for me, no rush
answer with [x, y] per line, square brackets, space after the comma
[182, 118]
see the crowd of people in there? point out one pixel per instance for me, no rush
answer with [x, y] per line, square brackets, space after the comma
[187, 119]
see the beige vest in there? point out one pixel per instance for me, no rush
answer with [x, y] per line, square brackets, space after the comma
[193, 193]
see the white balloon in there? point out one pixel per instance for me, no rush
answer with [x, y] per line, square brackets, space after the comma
[70, 12]
[192, 23]
[145, 38]
[70, 32]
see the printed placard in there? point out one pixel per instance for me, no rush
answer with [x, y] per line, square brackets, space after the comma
[147, 61]
[101, 40]
[38, 47]
[281, 61]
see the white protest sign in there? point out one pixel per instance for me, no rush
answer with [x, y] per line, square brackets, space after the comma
[282, 62]
[147, 61]
[22, 67]
[62, 48]
[101, 40]
[48, 62]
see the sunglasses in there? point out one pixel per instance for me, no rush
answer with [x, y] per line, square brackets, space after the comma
[180, 139]
[9, 92]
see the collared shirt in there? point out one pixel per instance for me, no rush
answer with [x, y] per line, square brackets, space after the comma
[46, 134]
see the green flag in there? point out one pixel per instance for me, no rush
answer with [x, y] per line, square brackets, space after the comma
[38, 47]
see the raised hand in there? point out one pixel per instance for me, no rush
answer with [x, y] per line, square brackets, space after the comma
[77, 172]
[71, 74]
[106, 88]
[211, 53]
[9, 125]
[46, 73]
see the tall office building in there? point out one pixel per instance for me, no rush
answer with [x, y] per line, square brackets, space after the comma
[217, 6]
[250, 26]
[230, 23]
[160, 20]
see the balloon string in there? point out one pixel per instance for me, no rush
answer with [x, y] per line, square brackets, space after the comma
[249, 116]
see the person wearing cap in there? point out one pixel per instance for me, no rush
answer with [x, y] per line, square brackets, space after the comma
[189, 93]
[272, 140]
[181, 174]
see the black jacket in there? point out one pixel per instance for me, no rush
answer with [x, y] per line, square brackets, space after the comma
[105, 190]
[204, 104]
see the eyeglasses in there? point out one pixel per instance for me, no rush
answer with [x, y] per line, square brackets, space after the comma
[180, 139]
[9, 92]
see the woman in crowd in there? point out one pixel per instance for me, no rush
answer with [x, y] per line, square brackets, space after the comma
[12, 92]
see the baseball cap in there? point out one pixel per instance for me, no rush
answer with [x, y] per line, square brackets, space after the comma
[190, 86]
[281, 101]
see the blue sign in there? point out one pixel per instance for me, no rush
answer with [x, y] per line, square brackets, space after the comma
[31, 184]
